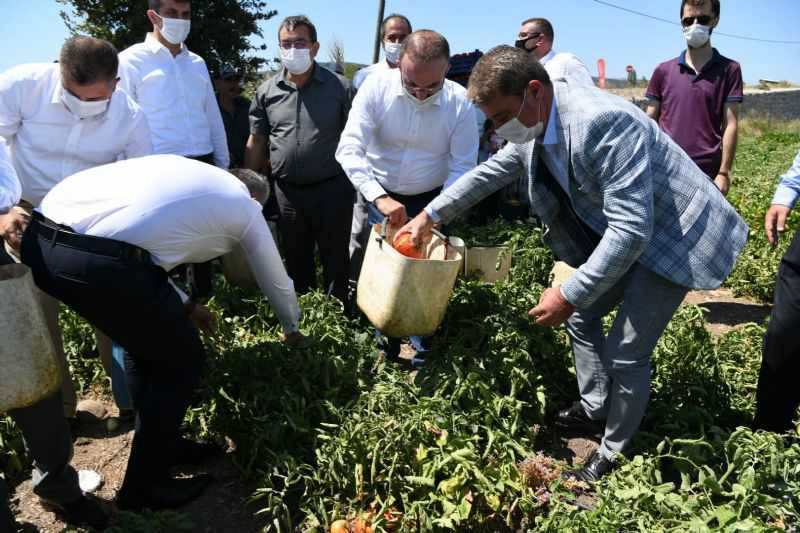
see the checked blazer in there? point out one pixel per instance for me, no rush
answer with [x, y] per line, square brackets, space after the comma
[630, 183]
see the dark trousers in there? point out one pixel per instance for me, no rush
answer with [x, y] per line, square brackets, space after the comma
[319, 215]
[132, 302]
[414, 205]
[778, 395]
[200, 275]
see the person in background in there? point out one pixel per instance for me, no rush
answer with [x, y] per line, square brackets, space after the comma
[695, 97]
[58, 119]
[394, 30]
[299, 114]
[235, 110]
[536, 35]
[173, 87]
[777, 395]
[624, 206]
[411, 132]
[46, 433]
[136, 220]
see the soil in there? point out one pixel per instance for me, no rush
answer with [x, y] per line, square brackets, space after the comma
[725, 312]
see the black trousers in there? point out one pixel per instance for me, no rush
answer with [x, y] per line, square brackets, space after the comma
[132, 302]
[778, 395]
[320, 215]
[200, 274]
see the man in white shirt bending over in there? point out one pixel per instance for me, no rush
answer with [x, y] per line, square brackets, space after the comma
[410, 132]
[173, 87]
[58, 119]
[103, 242]
[536, 36]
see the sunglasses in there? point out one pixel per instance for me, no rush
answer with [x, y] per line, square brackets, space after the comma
[703, 20]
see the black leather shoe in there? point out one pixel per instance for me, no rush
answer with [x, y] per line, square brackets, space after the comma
[167, 494]
[197, 453]
[595, 467]
[85, 511]
[575, 419]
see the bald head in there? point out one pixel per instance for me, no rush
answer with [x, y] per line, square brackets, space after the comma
[425, 46]
[86, 60]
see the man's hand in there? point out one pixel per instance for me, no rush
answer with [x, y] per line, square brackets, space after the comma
[553, 309]
[295, 338]
[723, 183]
[419, 228]
[202, 318]
[775, 222]
[12, 226]
[392, 209]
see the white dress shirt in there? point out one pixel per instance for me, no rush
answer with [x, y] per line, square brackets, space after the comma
[392, 144]
[178, 98]
[364, 73]
[566, 65]
[555, 155]
[179, 210]
[10, 188]
[49, 143]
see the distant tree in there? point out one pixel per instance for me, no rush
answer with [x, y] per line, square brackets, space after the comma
[336, 52]
[221, 29]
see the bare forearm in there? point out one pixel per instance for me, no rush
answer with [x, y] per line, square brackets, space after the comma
[255, 153]
[729, 140]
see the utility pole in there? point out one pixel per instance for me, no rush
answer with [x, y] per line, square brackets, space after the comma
[377, 53]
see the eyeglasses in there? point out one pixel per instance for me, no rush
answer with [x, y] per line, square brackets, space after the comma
[703, 20]
[300, 44]
[420, 92]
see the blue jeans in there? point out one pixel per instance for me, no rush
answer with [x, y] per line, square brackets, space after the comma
[414, 205]
[613, 371]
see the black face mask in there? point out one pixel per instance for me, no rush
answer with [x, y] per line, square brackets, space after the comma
[522, 44]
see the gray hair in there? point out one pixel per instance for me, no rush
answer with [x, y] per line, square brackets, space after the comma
[425, 46]
[290, 23]
[256, 183]
[504, 70]
[86, 60]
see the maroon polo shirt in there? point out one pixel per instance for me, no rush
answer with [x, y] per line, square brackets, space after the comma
[692, 105]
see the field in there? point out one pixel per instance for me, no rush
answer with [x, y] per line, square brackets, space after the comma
[465, 444]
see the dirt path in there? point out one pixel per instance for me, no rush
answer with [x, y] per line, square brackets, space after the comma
[727, 312]
[223, 508]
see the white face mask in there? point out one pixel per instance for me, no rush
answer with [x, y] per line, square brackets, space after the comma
[392, 52]
[80, 108]
[175, 31]
[422, 103]
[697, 35]
[516, 132]
[296, 60]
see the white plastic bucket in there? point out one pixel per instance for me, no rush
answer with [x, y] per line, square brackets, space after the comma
[28, 368]
[402, 296]
[489, 263]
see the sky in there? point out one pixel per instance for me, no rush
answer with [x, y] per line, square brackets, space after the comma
[32, 31]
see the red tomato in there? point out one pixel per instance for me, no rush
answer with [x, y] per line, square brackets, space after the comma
[403, 244]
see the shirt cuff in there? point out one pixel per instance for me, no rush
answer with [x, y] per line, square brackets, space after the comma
[371, 190]
[651, 96]
[433, 214]
[574, 292]
[785, 196]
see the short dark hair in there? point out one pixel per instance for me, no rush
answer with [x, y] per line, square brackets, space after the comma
[505, 70]
[426, 46]
[86, 60]
[543, 25]
[256, 183]
[392, 17]
[155, 5]
[290, 23]
[698, 3]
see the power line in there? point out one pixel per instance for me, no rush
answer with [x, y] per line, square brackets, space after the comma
[621, 8]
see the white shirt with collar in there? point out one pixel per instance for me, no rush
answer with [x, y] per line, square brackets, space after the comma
[364, 73]
[10, 189]
[178, 99]
[566, 65]
[49, 143]
[179, 210]
[553, 154]
[393, 144]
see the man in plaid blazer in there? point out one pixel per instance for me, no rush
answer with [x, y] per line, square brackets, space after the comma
[624, 205]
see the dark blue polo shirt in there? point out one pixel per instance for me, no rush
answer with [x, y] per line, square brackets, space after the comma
[692, 105]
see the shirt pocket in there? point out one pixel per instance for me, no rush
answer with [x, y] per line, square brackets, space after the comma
[155, 91]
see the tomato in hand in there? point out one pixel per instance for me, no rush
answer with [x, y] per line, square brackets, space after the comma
[403, 244]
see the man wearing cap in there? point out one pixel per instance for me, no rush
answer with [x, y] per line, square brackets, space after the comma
[235, 110]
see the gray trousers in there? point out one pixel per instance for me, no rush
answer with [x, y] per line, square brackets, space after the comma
[359, 234]
[48, 439]
[614, 371]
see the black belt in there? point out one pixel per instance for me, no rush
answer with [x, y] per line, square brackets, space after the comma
[57, 234]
